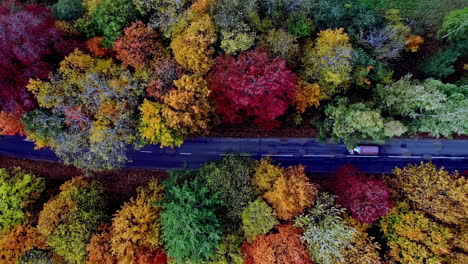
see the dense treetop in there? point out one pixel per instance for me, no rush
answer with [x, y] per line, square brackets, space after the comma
[159, 71]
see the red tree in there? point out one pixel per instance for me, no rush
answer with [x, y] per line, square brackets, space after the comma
[10, 124]
[365, 197]
[29, 45]
[152, 257]
[283, 247]
[252, 86]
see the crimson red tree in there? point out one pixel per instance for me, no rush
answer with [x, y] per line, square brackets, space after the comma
[365, 197]
[29, 45]
[252, 86]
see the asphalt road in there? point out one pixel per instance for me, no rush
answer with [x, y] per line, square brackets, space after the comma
[318, 157]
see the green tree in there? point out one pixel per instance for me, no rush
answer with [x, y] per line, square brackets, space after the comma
[325, 232]
[108, 18]
[257, 218]
[190, 226]
[355, 123]
[163, 14]
[455, 25]
[431, 106]
[68, 220]
[68, 9]
[229, 251]
[230, 177]
[19, 191]
[281, 43]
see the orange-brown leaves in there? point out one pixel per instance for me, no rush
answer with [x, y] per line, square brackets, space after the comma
[99, 247]
[17, 241]
[307, 95]
[10, 124]
[292, 192]
[94, 46]
[139, 46]
[283, 247]
[414, 42]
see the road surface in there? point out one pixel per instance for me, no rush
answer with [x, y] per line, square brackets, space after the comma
[318, 157]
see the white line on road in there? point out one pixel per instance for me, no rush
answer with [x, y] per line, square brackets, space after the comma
[361, 156]
[184, 153]
[448, 157]
[146, 151]
[310, 155]
[242, 155]
[277, 155]
[405, 157]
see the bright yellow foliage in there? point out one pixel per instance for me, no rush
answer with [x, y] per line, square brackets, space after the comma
[434, 191]
[153, 126]
[192, 43]
[46, 94]
[328, 61]
[136, 225]
[292, 192]
[265, 175]
[307, 95]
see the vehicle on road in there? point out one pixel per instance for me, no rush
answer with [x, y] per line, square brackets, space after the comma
[366, 150]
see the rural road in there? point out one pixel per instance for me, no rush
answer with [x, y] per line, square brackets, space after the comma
[318, 157]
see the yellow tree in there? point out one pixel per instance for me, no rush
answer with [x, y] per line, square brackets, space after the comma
[434, 191]
[185, 111]
[328, 61]
[292, 192]
[265, 175]
[135, 227]
[192, 41]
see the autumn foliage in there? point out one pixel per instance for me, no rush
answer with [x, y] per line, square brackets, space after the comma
[253, 86]
[29, 41]
[135, 227]
[433, 190]
[18, 241]
[282, 246]
[365, 197]
[291, 193]
[192, 43]
[139, 46]
[10, 124]
[99, 248]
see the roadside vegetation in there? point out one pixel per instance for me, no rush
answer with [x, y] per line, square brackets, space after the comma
[236, 210]
[91, 79]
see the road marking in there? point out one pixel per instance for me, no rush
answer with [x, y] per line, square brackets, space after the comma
[310, 155]
[146, 151]
[28, 140]
[405, 157]
[184, 153]
[448, 157]
[242, 155]
[277, 155]
[361, 156]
